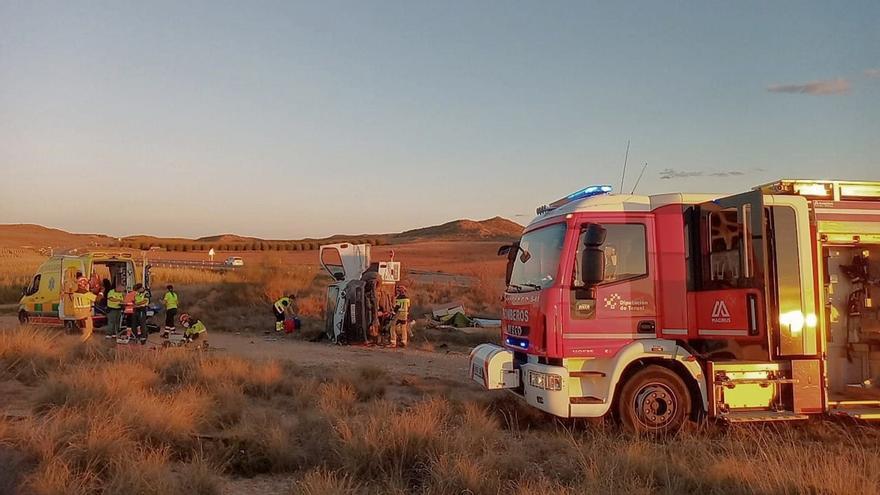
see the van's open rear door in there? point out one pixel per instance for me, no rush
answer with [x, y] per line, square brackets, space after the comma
[70, 265]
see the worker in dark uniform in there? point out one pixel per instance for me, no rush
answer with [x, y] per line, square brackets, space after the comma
[371, 281]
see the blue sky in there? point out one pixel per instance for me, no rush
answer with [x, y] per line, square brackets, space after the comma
[285, 119]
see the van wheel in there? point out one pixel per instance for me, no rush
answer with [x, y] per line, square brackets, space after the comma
[23, 317]
[654, 400]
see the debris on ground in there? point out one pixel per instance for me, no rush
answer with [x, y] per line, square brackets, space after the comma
[454, 316]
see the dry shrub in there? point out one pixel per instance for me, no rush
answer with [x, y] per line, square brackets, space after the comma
[229, 405]
[86, 384]
[336, 398]
[458, 473]
[258, 379]
[149, 473]
[324, 482]
[57, 478]
[29, 354]
[266, 441]
[175, 366]
[369, 382]
[388, 442]
[168, 419]
[313, 306]
[199, 477]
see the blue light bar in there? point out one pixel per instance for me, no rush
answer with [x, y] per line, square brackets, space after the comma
[515, 342]
[586, 192]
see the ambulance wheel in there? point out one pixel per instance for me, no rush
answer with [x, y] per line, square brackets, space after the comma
[654, 400]
[23, 317]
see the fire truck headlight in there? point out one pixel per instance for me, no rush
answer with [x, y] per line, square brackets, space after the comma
[545, 381]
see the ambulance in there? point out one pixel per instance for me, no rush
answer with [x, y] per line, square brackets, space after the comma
[756, 307]
[42, 303]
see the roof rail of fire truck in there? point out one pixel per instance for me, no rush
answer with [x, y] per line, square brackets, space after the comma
[586, 192]
[834, 190]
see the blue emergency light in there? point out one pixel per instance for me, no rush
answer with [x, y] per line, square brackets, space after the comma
[586, 192]
[515, 342]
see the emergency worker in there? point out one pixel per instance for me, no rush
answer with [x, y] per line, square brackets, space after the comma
[280, 309]
[141, 301]
[195, 329]
[171, 302]
[372, 280]
[115, 300]
[83, 304]
[385, 303]
[399, 328]
[128, 309]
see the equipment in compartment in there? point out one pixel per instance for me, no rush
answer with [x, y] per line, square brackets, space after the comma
[863, 323]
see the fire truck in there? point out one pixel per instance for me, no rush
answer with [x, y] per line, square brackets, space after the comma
[668, 308]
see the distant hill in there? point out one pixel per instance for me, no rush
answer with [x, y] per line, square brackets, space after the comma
[227, 238]
[496, 228]
[30, 235]
[18, 235]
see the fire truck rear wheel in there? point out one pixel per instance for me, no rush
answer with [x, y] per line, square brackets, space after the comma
[23, 317]
[654, 400]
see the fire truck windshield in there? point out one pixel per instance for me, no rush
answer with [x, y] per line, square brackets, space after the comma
[539, 270]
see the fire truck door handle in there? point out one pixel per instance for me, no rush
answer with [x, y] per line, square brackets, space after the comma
[752, 305]
[647, 326]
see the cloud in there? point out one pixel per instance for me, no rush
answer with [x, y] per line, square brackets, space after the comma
[873, 73]
[837, 86]
[671, 173]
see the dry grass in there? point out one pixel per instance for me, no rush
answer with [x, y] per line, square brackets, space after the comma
[177, 421]
[17, 267]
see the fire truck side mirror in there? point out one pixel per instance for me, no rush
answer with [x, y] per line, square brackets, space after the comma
[593, 259]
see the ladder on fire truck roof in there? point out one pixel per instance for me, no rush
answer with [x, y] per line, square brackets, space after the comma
[832, 190]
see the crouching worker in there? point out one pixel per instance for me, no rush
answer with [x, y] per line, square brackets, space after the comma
[195, 329]
[281, 308]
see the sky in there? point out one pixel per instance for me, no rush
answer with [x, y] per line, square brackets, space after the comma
[289, 119]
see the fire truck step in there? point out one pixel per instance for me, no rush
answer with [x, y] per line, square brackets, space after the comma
[756, 416]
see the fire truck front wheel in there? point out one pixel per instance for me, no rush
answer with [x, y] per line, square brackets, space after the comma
[654, 400]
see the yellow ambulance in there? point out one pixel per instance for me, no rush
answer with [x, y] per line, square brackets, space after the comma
[42, 302]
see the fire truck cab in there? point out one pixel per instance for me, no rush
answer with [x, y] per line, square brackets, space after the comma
[659, 309]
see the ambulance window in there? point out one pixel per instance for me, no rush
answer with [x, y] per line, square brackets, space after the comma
[35, 286]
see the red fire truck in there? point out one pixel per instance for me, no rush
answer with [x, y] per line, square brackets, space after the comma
[660, 309]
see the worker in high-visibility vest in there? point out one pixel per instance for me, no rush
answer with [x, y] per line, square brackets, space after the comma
[281, 308]
[171, 302]
[195, 329]
[128, 309]
[115, 300]
[399, 326]
[141, 301]
[83, 302]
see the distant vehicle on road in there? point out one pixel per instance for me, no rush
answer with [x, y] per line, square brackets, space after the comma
[234, 261]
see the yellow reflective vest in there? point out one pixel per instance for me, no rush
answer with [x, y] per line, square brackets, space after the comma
[282, 304]
[170, 300]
